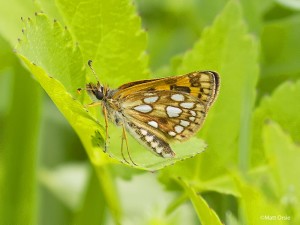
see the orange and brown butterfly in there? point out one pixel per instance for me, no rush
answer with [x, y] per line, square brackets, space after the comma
[158, 111]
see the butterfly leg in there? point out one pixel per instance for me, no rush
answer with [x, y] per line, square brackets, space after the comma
[106, 121]
[106, 129]
[124, 137]
[93, 104]
[122, 150]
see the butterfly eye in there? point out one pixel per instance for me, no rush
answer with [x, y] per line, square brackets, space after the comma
[99, 95]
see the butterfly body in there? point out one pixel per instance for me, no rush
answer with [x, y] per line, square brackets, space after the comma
[159, 111]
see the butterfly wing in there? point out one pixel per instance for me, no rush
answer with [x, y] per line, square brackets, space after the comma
[149, 139]
[157, 112]
[170, 115]
[202, 85]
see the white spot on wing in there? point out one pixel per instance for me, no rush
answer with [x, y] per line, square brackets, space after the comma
[151, 99]
[144, 132]
[159, 149]
[184, 123]
[192, 118]
[173, 111]
[177, 97]
[167, 155]
[153, 124]
[149, 138]
[187, 105]
[193, 113]
[154, 144]
[143, 108]
[179, 129]
[172, 133]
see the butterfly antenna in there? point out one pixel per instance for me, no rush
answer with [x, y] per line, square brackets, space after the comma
[91, 67]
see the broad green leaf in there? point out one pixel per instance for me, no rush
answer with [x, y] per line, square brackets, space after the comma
[60, 72]
[146, 159]
[86, 127]
[228, 49]
[117, 45]
[18, 151]
[110, 34]
[223, 184]
[252, 11]
[281, 52]
[42, 45]
[206, 215]
[53, 67]
[284, 157]
[224, 47]
[34, 51]
[281, 107]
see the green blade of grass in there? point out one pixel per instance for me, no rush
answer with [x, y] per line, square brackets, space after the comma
[225, 47]
[18, 157]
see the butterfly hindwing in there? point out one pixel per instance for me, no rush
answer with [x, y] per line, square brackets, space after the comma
[171, 115]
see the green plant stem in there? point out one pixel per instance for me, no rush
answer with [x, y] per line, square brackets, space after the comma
[18, 183]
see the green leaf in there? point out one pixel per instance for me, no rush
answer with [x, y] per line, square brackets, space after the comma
[223, 184]
[65, 65]
[34, 51]
[146, 159]
[110, 34]
[41, 46]
[205, 214]
[281, 52]
[280, 107]
[227, 48]
[284, 157]
[86, 127]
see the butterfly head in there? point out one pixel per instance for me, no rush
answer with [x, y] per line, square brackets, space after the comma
[96, 91]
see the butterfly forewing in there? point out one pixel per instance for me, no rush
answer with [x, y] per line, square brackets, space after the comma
[203, 85]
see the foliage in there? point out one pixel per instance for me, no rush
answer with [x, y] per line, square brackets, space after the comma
[246, 175]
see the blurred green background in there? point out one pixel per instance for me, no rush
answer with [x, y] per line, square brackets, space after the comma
[249, 174]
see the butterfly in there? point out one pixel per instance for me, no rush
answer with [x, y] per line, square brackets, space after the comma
[159, 111]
